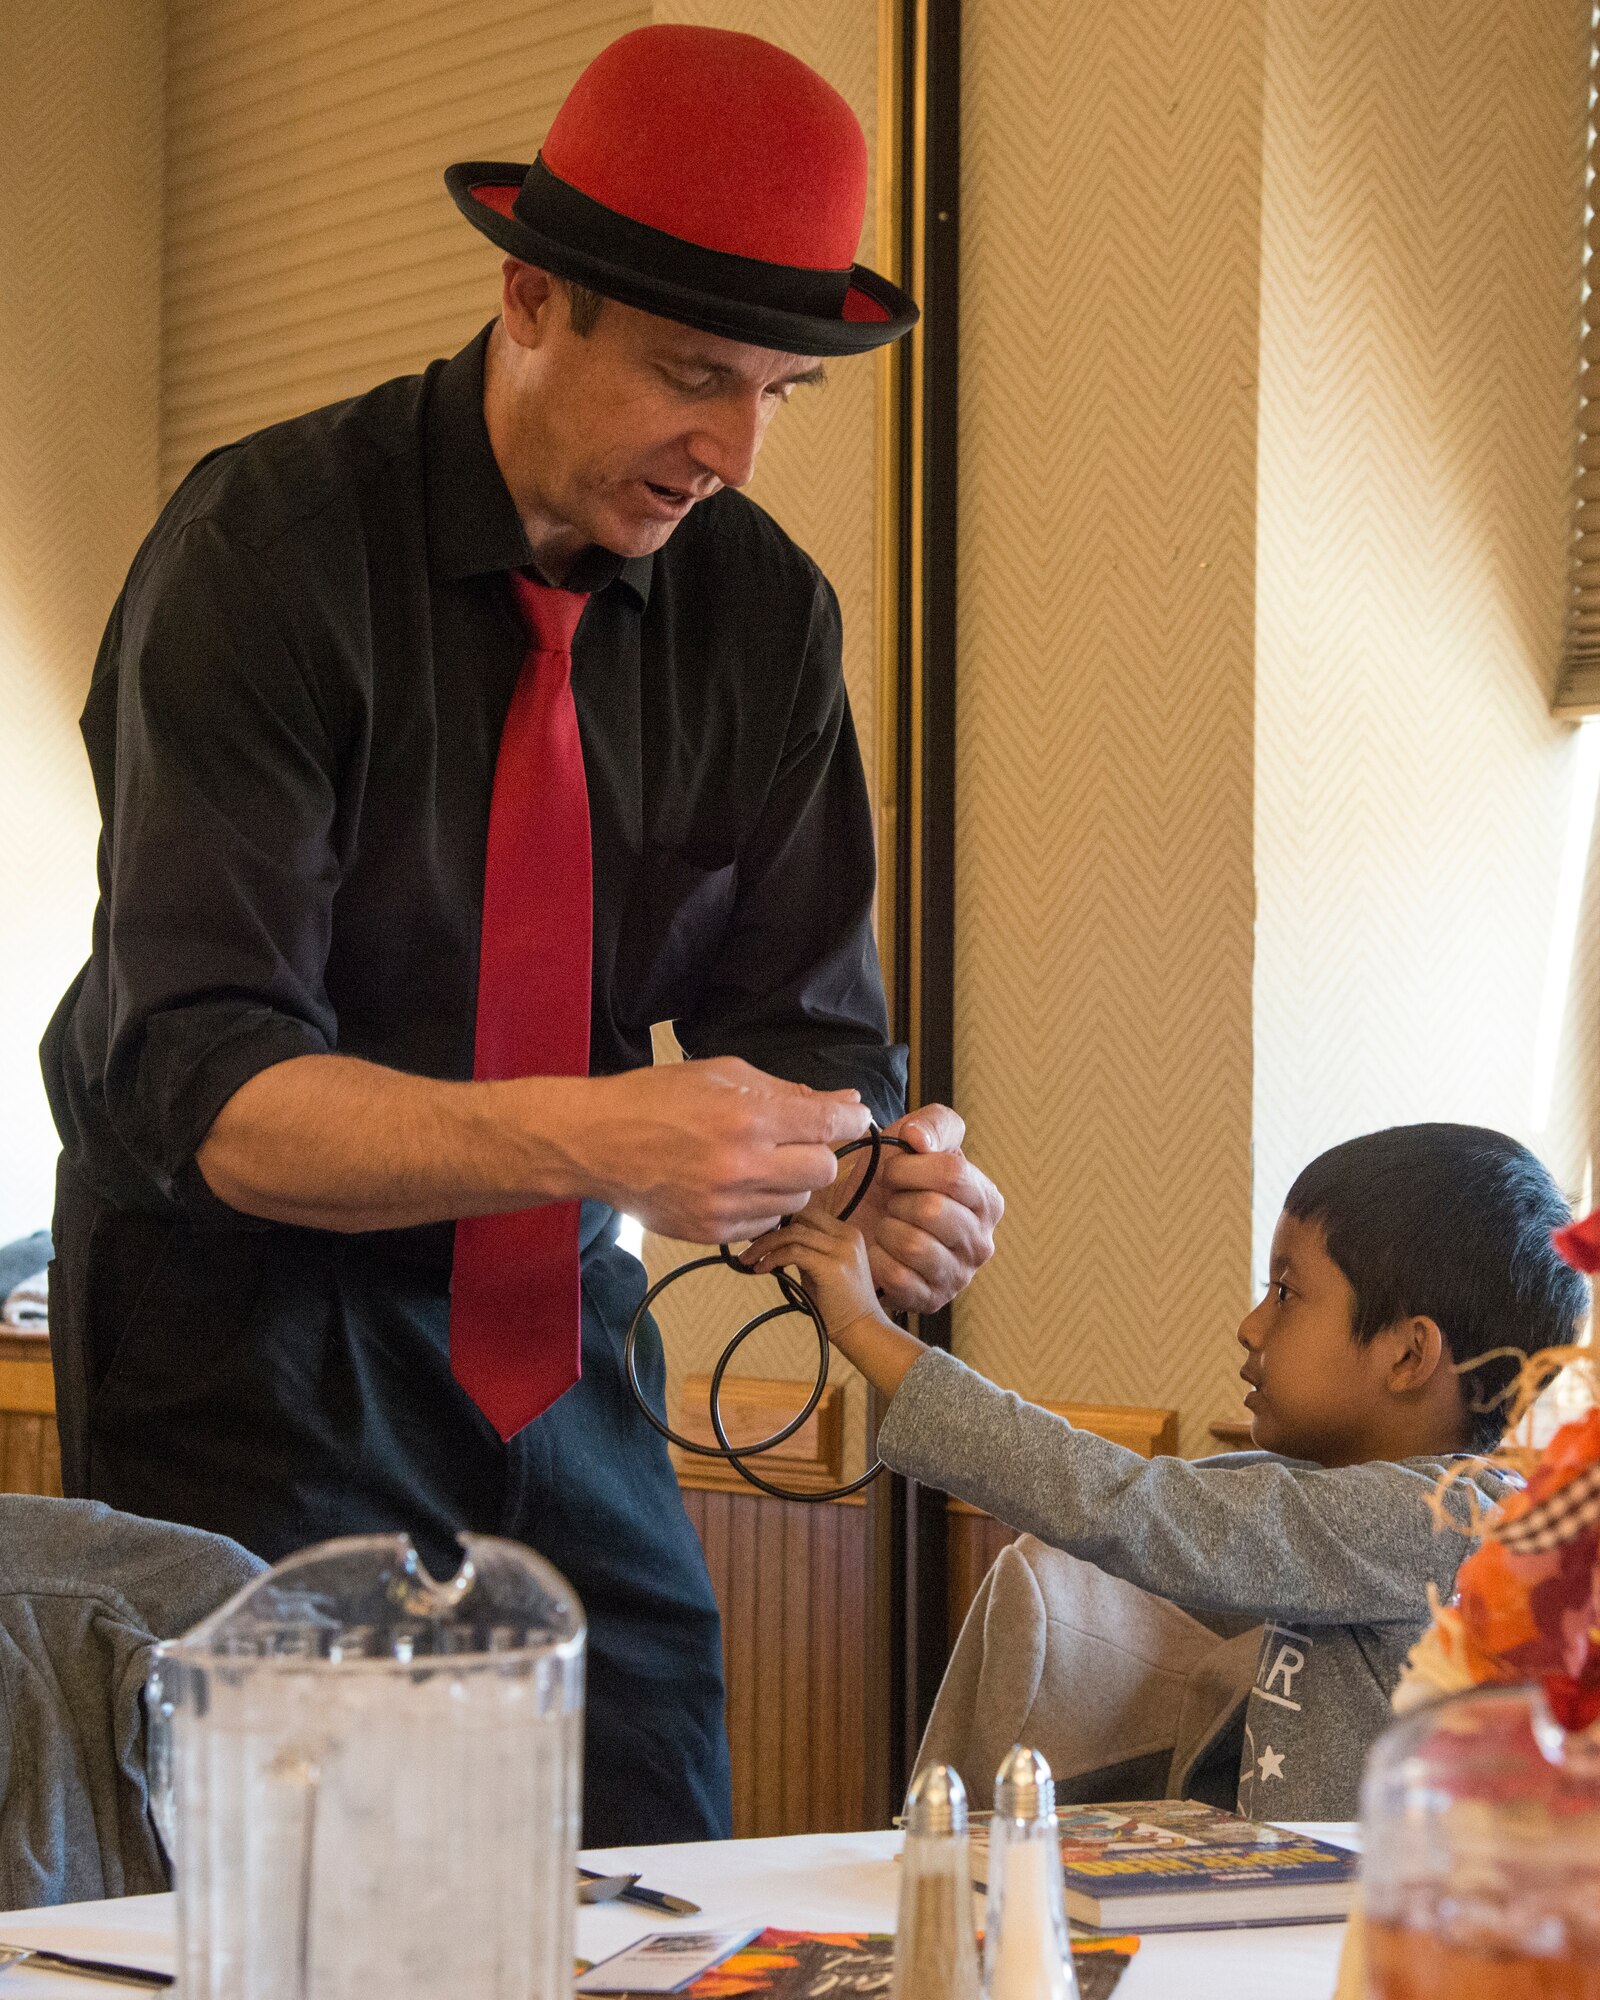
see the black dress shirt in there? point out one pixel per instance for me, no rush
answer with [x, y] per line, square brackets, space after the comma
[293, 724]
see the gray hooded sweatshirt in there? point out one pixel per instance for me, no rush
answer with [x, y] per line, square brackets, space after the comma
[1334, 1562]
[85, 1593]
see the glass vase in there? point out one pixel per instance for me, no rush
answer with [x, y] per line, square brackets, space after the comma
[1481, 1853]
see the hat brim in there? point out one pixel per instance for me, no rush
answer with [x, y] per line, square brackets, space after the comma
[874, 312]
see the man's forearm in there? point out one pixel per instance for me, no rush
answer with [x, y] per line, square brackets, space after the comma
[330, 1142]
[710, 1152]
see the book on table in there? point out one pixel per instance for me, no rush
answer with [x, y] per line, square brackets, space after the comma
[1177, 1865]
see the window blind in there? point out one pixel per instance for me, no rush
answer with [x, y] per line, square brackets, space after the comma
[1578, 690]
[310, 248]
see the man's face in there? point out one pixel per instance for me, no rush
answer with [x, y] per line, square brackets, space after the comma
[1313, 1391]
[631, 423]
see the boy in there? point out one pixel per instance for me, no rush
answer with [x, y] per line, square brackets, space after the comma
[1400, 1260]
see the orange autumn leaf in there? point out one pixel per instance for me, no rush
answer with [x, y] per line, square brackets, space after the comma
[1495, 1602]
[1574, 1448]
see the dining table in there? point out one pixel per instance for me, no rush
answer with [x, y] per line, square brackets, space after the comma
[805, 1882]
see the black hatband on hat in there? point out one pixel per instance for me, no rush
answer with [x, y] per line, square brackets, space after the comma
[784, 306]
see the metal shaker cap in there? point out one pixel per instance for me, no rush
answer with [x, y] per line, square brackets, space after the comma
[937, 1801]
[1023, 1786]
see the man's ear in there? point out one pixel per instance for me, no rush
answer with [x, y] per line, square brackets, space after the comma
[528, 299]
[1419, 1351]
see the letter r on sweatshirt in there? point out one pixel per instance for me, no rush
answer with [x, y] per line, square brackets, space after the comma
[1287, 1664]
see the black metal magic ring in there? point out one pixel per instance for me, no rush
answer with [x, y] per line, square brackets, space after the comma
[793, 1300]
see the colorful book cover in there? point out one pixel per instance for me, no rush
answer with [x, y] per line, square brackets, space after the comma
[806, 1965]
[1173, 1843]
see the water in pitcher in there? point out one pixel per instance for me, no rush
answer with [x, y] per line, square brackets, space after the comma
[372, 1780]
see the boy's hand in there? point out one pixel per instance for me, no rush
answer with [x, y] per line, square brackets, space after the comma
[834, 1266]
[831, 1257]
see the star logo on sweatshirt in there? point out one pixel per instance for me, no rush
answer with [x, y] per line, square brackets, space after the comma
[1270, 1763]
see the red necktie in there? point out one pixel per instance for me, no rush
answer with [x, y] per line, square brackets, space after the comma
[515, 1303]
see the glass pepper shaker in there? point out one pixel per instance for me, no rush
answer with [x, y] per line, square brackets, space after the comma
[1026, 1950]
[935, 1945]
[935, 1949]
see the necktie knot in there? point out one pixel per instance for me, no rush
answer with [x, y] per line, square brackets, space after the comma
[550, 613]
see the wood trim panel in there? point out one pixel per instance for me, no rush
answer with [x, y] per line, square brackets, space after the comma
[1151, 1432]
[27, 1386]
[791, 1578]
[754, 1407]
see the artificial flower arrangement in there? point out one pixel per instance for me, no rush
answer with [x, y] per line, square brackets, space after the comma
[1527, 1601]
[1526, 1608]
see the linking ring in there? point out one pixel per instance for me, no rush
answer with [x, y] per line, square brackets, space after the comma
[793, 1299]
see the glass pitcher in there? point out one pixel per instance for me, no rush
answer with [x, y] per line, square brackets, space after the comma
[369, 1781]
[1480, 1873]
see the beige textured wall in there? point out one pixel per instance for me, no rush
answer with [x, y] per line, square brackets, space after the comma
[311, 249]
[1111, 173]
[80, 160]
[816, 477]
[816, 469]
[1420, 241]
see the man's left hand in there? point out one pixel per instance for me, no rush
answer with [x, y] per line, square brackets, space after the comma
[929, 1217]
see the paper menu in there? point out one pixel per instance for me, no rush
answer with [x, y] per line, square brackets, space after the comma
[664, 1962]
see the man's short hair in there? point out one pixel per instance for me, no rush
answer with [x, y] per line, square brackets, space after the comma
[583, 306]
[1451, 1222]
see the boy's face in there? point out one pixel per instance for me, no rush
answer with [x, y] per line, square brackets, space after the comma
[1314, 1393]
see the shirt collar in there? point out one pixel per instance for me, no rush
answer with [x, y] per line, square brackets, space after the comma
[474, 528]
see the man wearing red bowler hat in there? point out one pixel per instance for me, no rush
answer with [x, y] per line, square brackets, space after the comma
[446, 740]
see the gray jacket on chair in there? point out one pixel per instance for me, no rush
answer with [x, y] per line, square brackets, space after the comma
[85, 1592]
[1335, 1564]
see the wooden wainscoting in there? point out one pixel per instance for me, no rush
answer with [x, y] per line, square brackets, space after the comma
[30, 1456]
[791, 1576]
[753, 1408]
[791, 1579]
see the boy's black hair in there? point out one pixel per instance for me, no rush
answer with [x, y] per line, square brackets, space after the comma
[1451, 1222]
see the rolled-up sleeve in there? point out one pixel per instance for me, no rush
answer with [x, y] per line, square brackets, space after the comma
[796, 987]
[219, 868]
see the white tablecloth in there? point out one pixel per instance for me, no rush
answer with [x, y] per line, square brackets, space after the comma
[820, 1881]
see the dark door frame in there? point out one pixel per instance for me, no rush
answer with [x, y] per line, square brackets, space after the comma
[920, 159]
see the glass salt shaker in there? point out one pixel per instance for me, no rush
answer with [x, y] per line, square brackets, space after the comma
[935, 1951]
[1026, 1950]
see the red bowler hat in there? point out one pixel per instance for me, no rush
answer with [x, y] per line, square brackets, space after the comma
[707, 177]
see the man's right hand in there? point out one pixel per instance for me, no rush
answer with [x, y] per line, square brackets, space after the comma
[709, 1152]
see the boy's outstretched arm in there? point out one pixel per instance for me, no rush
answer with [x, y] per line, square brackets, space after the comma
[1271, 1539]
[1354, 1545]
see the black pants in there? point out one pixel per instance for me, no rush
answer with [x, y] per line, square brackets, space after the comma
[286, 1386]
